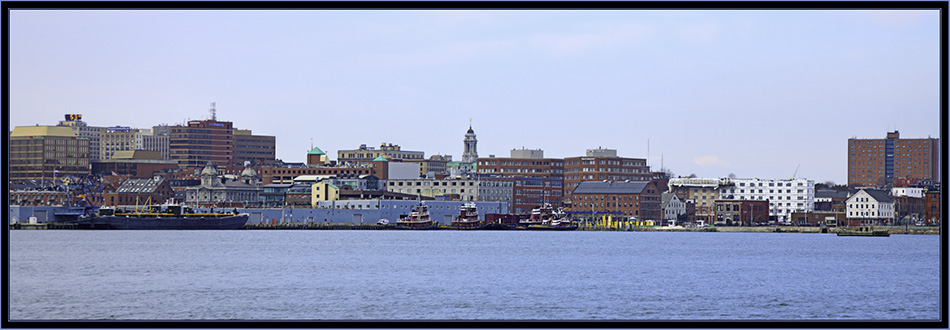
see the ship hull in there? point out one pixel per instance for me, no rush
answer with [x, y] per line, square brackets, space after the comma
[168, 223]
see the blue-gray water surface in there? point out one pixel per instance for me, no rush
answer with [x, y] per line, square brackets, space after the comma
[486, 275]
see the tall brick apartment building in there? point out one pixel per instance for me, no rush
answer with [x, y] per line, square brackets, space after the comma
[879, 162]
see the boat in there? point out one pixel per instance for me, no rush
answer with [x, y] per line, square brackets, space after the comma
[545, 218]
[467, 218]
[418, 218]
[538, 216]
[864, 231]
[168, 216]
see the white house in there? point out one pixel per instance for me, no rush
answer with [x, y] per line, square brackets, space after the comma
[871, 207]
[672, 206]
[784, 196]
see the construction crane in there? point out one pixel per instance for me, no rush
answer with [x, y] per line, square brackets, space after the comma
[796, 172]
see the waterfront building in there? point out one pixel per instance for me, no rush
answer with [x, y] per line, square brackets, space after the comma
[496, 189]
[785, 195]
[602, 164]
[323, 191]
[932, 208]
[457, 189]
[366, 155]
[869, 207]
[535, 180]
[256, 149]
[36, 193]
[828, 200]
[819, 218]
[141, 192]
[46, 153]
[81, 129]
[700, 194]
[882, 162]
[737, 212]
[213, 191]
[137, 163]
[673, 208]
[639, 199]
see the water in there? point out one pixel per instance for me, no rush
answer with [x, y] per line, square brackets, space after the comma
[486, 275]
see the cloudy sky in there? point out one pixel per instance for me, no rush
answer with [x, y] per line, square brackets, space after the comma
[756, 93]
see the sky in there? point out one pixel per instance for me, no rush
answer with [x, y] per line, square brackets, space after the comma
[755, 93]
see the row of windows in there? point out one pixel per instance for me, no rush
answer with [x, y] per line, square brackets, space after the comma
[434, 183]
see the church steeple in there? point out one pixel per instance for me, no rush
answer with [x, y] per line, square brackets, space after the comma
[470, 155]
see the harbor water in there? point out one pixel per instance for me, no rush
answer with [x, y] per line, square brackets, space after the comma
[484, 275]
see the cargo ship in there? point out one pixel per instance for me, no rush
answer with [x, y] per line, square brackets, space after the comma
[175, 217]
[417, 219]
[467, 218]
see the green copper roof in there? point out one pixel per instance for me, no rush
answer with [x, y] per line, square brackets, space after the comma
[316, 151]
[380, 159]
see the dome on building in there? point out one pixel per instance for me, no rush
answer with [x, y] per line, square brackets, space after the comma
[209, 170]
[470, 131]
[248, 171]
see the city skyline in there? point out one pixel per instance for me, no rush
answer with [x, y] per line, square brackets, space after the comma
[755, 93]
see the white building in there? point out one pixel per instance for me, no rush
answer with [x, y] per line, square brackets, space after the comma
[467, 189]
[908, 192]
[672, 206]
[872, 207]
[784, 196]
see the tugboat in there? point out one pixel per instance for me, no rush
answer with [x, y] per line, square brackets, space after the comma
[168, 216]
[417, 219]
[546, 218]
[538, 216]
[467, 218]
[555, 222]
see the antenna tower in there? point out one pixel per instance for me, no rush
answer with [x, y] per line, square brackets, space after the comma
[213, 116]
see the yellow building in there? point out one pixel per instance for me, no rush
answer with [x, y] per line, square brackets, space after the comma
[323, 191]
[47, 152]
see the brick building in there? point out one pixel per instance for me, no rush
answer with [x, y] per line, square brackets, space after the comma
[140, 192]
[932, 208]
[882, 162]
[138, 164]
[822, 218]
[640, 199]
[535, 180]
[256, 149]
[737, 212]
[602, 164]
[202, 141]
